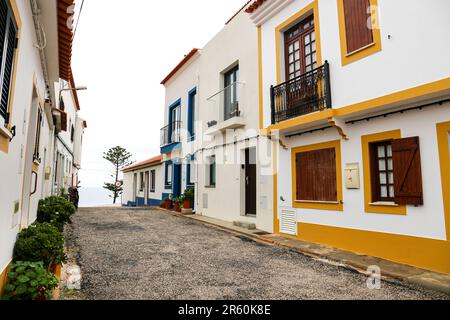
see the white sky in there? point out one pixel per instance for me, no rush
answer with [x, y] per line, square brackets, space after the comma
[122, 51]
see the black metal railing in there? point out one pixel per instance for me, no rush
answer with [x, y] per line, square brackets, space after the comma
[307, 93]
[171, 133]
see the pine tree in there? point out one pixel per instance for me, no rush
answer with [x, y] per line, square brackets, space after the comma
[120, 158]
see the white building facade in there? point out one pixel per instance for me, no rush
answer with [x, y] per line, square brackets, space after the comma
[362, 112]
[212, 139]
[34, 60]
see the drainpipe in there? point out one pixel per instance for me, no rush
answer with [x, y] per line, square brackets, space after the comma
[41, 45]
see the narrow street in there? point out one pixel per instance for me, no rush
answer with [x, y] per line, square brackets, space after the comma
[150, 254]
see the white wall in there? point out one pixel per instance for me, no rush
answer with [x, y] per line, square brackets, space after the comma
[12, 163]
[128, 184]
[425, 221]
[416, 54]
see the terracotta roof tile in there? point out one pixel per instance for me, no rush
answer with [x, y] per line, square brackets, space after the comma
[180, 65]
[148, 162]
[254, 6]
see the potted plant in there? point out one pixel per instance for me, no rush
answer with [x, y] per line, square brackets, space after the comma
[55, 210]
[178, 201]
[161, 204]
[168, 203]
[188, 198]
[30, 281]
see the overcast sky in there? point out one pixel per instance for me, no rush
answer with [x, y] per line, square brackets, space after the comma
[122, 51]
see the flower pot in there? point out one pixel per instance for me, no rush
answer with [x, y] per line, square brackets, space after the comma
[187, 204]
[177, 207]
[168, 204]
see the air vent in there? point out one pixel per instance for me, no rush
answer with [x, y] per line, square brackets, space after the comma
[288, 222]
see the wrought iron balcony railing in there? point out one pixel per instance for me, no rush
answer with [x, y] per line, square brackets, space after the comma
[171, 133]
[307, 93]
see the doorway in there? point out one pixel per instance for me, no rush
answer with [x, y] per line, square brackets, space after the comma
[146, 188]
[176, 183]
[250, 182]
[135, 189]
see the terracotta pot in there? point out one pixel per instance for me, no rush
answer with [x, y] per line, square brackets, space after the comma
[168, 204]
[161, 205]
[177, 207]
[187, 204]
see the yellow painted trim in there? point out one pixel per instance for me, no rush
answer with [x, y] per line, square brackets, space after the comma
[308, 118]
[260, 79]
[366, 140]
[312, 7]
[276, 222]
[443, 130]
[320, 206]
[423, 253]
[400, 96]
[4, 278]
[4, 141]
[375, 47]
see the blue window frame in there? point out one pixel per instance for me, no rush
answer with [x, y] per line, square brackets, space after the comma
[189, 183]
[192, 103]
[168, 174]
[174, 120]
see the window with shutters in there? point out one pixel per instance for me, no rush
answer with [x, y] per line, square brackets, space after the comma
[141, 180]
[396, 172]
[8, 45]
[169, 169]
[36, 155]
[359, 29]
[317, 180]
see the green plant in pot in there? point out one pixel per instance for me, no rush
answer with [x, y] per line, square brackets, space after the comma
[188, 198]
[40, 243]
[29, 281]
[178, 201]
[55, 210]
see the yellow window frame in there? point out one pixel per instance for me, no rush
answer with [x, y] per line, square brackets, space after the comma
[339, 205]
[363, 52]
[369, 206]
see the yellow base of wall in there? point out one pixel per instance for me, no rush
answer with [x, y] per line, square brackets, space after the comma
[423, 253]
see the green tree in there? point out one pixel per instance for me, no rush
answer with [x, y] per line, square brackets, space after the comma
[120, 158]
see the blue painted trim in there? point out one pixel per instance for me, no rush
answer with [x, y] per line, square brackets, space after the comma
[154, 202]
[140, 201]
[191, 114]
[188, 172]
[176, 180]
[166, 182]
[171, 107]
[169, 148]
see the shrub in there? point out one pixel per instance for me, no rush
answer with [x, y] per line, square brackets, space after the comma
[29, 281]
[55, 210]
[40, 243]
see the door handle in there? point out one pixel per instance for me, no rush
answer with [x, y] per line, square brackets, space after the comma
[35, 182]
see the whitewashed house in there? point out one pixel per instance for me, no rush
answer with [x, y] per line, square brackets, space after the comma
[359, 95]
[35, 51]
[143, 183]
[212, 139]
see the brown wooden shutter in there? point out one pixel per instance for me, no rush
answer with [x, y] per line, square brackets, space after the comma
[357, 17]
[316, 175]
[407, 171]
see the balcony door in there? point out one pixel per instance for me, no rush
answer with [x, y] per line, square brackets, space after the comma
[301, 59]
[231, 99]
[175, 124]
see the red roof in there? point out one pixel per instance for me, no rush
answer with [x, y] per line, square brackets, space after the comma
[65, 37]
[180, 65]
[255, 5]
[148, 162]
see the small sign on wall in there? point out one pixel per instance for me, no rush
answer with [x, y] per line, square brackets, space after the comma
[352, 177]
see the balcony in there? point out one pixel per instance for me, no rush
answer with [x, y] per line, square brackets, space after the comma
[225, 110]
[170, 136]
[305, 94]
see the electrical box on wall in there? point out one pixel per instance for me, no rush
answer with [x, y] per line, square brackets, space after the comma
[352, 177]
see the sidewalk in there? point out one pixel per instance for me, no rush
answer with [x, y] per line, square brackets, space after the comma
[360, 263]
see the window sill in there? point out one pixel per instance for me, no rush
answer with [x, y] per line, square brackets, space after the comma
[210, 187]
[5, 132]
[359, 50]
[384, 204]
[318, 202]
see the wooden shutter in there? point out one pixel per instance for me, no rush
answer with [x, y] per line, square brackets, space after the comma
[357, 19]
[316, 175]
[8, 34]
[407, 171]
